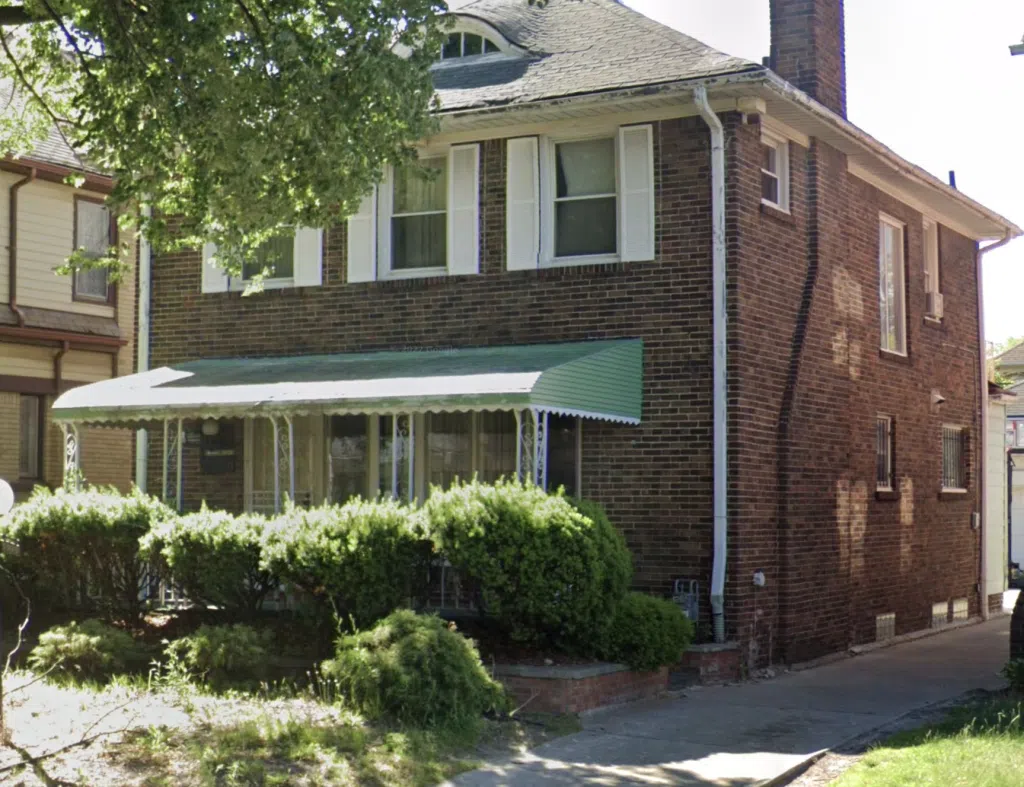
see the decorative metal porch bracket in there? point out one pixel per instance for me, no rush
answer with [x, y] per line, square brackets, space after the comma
[72, 467]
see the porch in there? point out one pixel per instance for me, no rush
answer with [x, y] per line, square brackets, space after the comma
[324, 428]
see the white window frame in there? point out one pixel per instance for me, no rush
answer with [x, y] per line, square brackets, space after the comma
[965, 459]
[890, 439]
[900, 288]
[781, 147]
[549, 188]
[385, 212]
[276, 282]
[932, 280]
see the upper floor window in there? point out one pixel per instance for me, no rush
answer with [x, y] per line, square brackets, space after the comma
[954, 458]
[932, 283]
[275, 256]
[775, 171]
[586, 198]
[884, 442]
[891, 289]
[465, 45]
[419, 211]
[94, 236]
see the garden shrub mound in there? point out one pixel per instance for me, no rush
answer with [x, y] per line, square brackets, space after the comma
[648, 632]
[222, 656]
[414, 669]
[548, 572]
[366, 557]
[81, 549]
[214, 557]
[90, 650]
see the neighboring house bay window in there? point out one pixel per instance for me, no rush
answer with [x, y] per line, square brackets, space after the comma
[94, 236]
[30, 438]
[891, 289]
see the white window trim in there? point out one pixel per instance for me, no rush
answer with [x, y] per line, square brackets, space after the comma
[888, 487]
[781, 146]
[900, 269]
[548, 189]
[385, 212]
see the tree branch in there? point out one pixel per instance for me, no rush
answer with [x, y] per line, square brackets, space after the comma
[35, 93]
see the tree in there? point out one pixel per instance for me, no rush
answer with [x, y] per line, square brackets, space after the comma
[994, 350]
[236, 120]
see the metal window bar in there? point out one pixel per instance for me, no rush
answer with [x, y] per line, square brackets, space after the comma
[954, 456]
[884, 442]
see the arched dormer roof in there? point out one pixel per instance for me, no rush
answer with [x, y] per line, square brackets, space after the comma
[472, 37]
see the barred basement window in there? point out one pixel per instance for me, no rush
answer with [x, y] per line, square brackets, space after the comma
[884, 441]
[954, 458]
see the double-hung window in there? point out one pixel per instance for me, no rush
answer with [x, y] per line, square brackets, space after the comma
[954, 459]
[275, 258]
[419, 216]
[586, 198]
[94, 235]
[932, 284]
[775, 171]
[885, 442]
[30, 438]
[891, 288]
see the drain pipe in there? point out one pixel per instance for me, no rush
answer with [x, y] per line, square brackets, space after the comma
[718, 321]
[12, 244]
[983, 514]
[142, 347]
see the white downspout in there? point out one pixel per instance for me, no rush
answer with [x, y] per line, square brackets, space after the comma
[145, 267]
[718, 321]
[983, 516]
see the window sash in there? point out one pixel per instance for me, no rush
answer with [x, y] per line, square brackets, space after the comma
[278, 252]
[954, 458]
[30, 438]
[891, 291]
[884, 476]
[775, 172]
[92, 283]
[582, 188]
[931, 257]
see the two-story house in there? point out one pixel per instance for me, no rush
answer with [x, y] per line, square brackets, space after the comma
[58, 332]
[676, 282]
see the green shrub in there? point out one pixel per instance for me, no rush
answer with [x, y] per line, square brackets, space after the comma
[222, 655]
[91, 650]
[1014, 674]
[81, 549]
[548, 573]
[214, 557]
[413, 669]
[367, 558]
[648, 632]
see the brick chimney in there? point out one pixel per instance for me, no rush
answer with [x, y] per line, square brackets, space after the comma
[809, 49]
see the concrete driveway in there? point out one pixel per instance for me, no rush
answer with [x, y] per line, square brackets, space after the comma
[747, 733]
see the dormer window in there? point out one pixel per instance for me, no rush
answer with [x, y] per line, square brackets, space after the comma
[466, 45]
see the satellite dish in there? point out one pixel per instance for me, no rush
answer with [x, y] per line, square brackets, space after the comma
[6, 497]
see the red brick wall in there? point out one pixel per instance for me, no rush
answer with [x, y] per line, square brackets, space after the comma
[809, 49]
[806, 512]
[566, 695]
[802, 505]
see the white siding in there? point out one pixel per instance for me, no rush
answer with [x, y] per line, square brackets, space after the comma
[995, 500]
[45, 239]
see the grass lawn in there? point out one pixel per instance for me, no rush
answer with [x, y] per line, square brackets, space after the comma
[980, 745]
[177, 736]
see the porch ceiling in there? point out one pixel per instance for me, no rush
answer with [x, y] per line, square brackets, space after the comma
[599, 379]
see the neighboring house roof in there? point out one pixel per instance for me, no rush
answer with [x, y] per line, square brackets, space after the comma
[573, 47]
[1011, 357]
[1016, 408]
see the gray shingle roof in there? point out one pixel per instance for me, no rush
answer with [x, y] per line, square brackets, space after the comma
[573, 47]
[1014, 356]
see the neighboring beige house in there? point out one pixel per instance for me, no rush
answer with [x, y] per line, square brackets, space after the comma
[57, 332]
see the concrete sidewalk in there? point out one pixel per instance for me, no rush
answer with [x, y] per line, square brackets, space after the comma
[747, 733]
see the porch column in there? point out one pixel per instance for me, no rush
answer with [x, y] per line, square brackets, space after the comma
[172, 452]
[179, 496]
[291, 457]
[540, 448]
[72, 468]
[284, 458]
[403, 445]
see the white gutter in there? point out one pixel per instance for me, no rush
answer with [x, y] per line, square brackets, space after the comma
[718, 323]
[142, 348]
[983, 517]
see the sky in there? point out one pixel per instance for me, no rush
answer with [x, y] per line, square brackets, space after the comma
[934, 81]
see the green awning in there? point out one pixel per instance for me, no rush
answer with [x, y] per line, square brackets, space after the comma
[598, 379]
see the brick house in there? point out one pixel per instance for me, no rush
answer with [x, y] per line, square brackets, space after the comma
[57, 332]
[674, 281]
